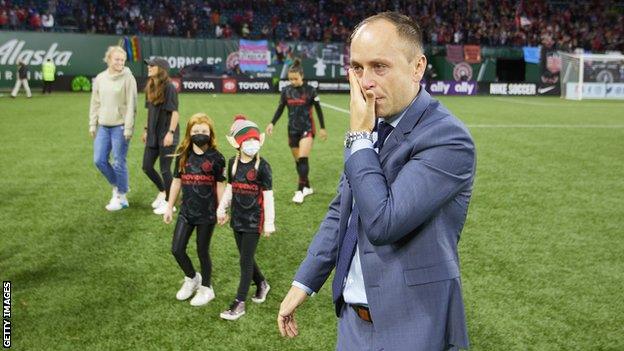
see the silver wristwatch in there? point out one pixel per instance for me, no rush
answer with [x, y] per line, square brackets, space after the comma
[350, 137]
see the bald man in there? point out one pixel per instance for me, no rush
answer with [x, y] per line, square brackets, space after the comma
[391, 233]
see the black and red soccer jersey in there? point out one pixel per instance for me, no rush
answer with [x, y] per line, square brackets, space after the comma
[247, 211]
[299, 101]
[199, 185]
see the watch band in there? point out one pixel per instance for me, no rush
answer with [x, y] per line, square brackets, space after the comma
[350, 137]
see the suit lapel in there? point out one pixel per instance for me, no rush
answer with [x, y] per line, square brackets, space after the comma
[406, 125]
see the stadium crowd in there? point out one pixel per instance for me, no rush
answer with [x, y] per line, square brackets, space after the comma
[594, 25]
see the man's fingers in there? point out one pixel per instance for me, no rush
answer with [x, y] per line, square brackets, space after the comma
[353, 83]
[287, 326]
[295, 326]
[370, 97]
[291, 327]
[280, 325]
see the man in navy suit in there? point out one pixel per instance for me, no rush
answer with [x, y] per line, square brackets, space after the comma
[392, 231]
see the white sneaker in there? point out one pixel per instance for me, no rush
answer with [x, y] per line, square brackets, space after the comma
[298, 198]
[203, 295]
[188, 287]
[114, 196]
[123, 199]
[160, 210]
[307, 191]
[117, 203]
[160, 198]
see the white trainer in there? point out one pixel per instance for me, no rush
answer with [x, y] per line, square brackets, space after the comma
[203, 295]
[160, 198]
[123, 200]
[307, 191]
[298, 198]
[114, 196]
[117, 203]
[160, 210]
[189, 286]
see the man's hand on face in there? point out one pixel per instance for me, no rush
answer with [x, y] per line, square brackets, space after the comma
[362, 106]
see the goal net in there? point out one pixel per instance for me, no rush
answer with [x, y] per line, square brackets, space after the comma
[592, 76]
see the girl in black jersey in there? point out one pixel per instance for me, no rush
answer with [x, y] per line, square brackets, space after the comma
[200, 173]
[249, 193]
[300, 97]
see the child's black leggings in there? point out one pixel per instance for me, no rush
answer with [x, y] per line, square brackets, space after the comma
[181, 236]
[149, 158]
[247, 243]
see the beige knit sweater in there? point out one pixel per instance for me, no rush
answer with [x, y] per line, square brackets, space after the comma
[114, 101]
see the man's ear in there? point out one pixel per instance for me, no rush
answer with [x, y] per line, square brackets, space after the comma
[262, 139]
[232, 141]
[420, 65]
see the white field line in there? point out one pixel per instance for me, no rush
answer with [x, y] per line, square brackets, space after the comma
[601, 126]
[564, 103]
[334, 107]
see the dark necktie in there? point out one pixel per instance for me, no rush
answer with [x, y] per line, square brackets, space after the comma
[347, 249]
[383, 130]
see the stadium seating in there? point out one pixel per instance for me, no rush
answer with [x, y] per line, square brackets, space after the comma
[568, 24]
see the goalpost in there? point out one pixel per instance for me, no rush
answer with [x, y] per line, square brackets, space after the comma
[591, 76]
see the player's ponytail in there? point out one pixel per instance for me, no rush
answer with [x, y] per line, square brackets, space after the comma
[296, 67]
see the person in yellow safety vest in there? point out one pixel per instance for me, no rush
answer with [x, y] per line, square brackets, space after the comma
[49, 73]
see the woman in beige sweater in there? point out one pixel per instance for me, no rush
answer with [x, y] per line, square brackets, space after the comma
[111, 123]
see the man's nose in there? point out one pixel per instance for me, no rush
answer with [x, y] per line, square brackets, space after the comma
[368, 81]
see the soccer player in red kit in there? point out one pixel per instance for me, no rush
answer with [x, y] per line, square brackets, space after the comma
[300, 97]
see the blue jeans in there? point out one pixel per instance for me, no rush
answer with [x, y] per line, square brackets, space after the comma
[112, 139]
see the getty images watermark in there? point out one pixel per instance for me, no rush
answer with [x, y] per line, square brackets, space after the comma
[6, 314]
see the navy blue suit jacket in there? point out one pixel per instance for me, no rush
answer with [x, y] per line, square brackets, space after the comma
[413, 198]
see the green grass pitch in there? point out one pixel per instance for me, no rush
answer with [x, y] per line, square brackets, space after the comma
[541, 252]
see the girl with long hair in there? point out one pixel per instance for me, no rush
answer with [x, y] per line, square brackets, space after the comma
[199, 171]
[161, 132]
[300, 97]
